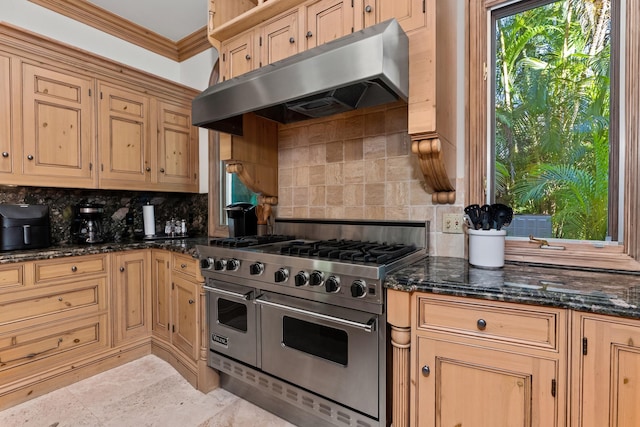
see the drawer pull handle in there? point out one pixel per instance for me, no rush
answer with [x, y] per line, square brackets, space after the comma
[183, 265]
[121, 269]
[426, 370]
[32, 355]
[191, 301]
[482, 324]
[59, 298]
[74, 268]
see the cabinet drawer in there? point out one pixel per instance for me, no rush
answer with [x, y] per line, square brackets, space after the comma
[69, 268]
[518, 324]
[88, 296]
[186, 264]
[57, 339]
[11, 277]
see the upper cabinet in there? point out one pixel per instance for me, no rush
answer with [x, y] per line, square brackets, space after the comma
[327, 20]
[57, 133]
[279, 38]
[69, 119]
[237, 55]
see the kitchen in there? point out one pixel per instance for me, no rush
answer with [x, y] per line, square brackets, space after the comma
[403, 187]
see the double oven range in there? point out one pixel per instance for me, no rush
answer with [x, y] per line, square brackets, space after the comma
[297, 320]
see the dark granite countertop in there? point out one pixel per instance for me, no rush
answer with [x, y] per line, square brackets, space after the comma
[186, 246]
[595, 291]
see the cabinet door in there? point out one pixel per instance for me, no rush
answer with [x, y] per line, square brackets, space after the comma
[177, 148]
[160, 294]
[57, 126]
[237, 55]
[462, 385]
[327, 20]
[132, 296]
[124, 137]
[409, 13]
[279, 39]
[6, 111]
[607, 390]
[184, 314]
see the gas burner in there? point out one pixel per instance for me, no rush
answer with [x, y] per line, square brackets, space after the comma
[348, 250]
[246, 241]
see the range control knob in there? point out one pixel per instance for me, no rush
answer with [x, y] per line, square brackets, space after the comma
[316, 278]
[256, 269]
[206, 263]
[220, 264]
[358, 289]
[233, 264]
[302, 278]
[332, 285]
[281, 275]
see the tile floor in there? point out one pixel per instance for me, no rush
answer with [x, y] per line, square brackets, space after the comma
[145, 392]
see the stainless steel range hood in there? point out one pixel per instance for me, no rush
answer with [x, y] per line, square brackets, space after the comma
[366, 68]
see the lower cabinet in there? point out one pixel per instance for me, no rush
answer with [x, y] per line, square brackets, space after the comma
[131, 296]
[606, 371]
[479, 363]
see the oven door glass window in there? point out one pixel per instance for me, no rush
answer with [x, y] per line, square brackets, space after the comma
[232, 314]
[317, 340]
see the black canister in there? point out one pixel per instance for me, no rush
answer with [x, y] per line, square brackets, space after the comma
[242, 219]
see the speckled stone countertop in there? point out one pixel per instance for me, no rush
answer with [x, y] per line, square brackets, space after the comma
[186, 246]
[593, 291]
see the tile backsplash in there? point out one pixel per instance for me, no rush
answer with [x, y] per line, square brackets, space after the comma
[191, 207]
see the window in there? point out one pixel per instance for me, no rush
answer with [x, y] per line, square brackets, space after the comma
[599, 131]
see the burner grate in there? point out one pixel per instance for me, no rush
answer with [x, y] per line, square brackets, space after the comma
[246, 241]
[348, 250]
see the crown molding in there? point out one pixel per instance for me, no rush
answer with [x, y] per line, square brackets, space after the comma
[103, 20]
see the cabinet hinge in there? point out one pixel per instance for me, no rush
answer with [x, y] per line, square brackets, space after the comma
[485, 71]
[173, 328]
[168, 327]
[424, 6]
[101, 167]
[89, 91]
[90, 166]
[553, 388]
[584, 346]
[100, 95]
[173, 286]
[224, 57]
[351, 3]
[260, 41]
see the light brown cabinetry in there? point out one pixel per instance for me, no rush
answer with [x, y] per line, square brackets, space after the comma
[237, 55]
[488, 365]
[131, 296]
[606, 371]
[53, 314]
[184, 315]
[161, 294]
[57, 133]
[69, 119]
[279, 38]
[326, 20]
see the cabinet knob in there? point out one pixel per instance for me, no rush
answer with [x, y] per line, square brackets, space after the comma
[426, 370]
[292, 40]
[309, 34]
[482, 324]
[247, 57]
[5, 154]
[191, 301]
[30, 157]
[74, 268]
[59, 298]
[183, 265]
[148, 169]
[121, 269]
[368, 9]
[161, 170]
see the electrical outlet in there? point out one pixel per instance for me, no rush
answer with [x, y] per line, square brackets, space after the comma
[452, 223]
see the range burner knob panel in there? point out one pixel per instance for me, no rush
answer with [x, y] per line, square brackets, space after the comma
[358, 289]
[332, 285]
[233, 264]
[302, 278]
[256, 269]
[206, 263]
[316, 278]
[220, 264]
[281, 275]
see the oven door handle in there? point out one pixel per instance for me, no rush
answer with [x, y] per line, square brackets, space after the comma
[370, 326]
[237, 295]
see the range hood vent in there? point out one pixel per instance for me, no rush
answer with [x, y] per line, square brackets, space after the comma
[363, 69]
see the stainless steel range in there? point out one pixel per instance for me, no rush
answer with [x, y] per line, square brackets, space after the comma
[297, 320]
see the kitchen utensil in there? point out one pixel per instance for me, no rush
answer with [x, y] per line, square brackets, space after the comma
[503, 215]
[486, 217]
[473, 211]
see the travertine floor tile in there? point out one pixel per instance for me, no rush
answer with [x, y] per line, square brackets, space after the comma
[145, 392]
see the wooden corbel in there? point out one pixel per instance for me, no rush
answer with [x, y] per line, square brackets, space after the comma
[435, 160]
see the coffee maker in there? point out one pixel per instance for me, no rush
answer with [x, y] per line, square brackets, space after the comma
[242, 219]
[87, 223]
